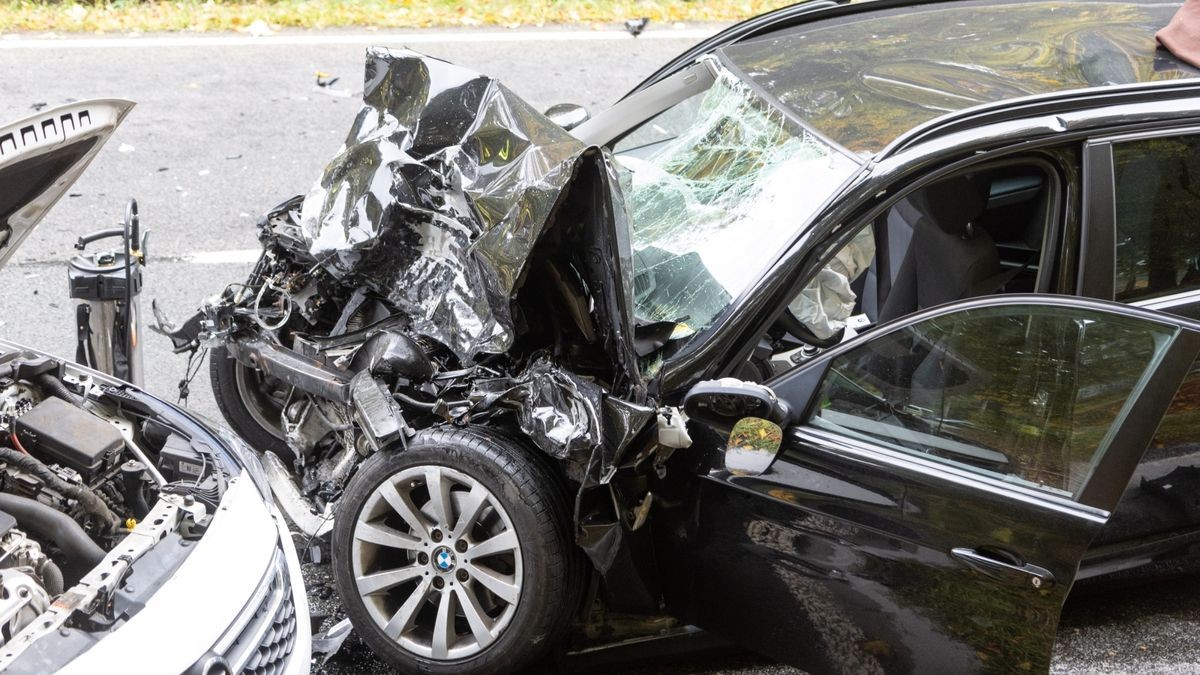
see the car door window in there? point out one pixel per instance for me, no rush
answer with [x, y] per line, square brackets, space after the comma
[1157, 183]
[1026, 394]
[980, 233]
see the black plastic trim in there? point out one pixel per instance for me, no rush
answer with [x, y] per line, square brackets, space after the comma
[1098, 238]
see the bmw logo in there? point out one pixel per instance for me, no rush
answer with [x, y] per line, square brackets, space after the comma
[443, 559]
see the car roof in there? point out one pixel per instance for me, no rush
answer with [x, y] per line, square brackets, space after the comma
[865, 79]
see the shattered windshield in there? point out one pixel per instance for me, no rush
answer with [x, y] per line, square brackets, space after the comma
[714, 200]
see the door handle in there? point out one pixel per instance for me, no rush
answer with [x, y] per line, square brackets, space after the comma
[1003, 565]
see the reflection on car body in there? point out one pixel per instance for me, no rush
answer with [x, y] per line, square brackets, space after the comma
[504, 359]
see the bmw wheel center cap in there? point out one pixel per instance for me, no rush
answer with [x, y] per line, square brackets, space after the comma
[443, 559]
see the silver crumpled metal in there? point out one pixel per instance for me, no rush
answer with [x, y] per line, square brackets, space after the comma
[560, 412]
[443, 186]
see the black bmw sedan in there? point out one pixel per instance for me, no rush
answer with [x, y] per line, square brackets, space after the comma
[856, 335]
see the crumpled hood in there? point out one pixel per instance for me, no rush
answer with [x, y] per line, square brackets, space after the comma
[445, 184]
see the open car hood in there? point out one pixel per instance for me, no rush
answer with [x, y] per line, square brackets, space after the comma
[42, 155]
[450, 193]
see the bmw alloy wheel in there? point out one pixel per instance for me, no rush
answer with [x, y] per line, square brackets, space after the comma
[436, 562]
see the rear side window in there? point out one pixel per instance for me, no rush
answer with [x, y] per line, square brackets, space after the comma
[1157, 217]
[1027, 394]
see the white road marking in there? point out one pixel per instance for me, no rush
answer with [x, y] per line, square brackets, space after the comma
[239, 256]
[15, 42]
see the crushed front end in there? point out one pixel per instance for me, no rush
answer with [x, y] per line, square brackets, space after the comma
[462, 261]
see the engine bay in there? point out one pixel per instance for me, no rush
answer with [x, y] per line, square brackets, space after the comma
[84, 464]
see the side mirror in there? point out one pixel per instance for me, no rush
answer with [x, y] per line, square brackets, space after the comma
[752, 446]
[568, 115]
[723, 403]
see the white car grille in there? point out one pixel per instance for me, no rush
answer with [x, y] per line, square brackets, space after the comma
[261, 640]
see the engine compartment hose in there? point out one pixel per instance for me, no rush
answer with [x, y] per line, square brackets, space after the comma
[412, 402]
[45, 521]
[58, 389]
[88, 500]
[52, 578]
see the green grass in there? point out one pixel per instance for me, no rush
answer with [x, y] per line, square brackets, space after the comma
[124, 16]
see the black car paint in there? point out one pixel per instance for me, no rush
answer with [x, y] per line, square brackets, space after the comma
[755, 558]
[750, 588]
[858, 551]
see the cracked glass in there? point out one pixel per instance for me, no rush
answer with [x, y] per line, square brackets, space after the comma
[713, 202]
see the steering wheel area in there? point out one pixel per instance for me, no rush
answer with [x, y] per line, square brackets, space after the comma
[795, 328]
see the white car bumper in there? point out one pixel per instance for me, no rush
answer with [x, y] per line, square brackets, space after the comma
[235, 605]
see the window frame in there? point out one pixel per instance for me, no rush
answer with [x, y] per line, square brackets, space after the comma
[1057, 216]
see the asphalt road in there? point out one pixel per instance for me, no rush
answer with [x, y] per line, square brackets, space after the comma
[224, 131]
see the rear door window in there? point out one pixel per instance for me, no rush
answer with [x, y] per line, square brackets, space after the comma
[1157, 183]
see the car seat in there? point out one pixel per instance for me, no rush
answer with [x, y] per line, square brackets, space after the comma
[947, 258]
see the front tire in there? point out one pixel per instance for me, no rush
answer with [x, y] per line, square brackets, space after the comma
[455, 555]
[250, 403]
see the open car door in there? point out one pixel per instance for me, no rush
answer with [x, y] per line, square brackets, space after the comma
[919, 498]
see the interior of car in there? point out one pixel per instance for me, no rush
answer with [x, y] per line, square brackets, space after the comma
[968, 235]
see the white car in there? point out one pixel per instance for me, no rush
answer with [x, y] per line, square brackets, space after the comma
[135, 537]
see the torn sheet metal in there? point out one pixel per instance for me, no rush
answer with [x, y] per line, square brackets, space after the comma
[623, 421]
[445, 183]
[558, 411]
[596, 204]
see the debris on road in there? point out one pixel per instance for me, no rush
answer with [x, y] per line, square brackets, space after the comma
[326, 82]
[327, 643]
[325, 79]
[259, 28]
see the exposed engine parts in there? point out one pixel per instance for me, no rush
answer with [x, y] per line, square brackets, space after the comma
[22, 600]
[82, 462]
[66, 435]
[29, 579]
